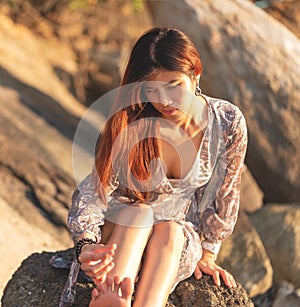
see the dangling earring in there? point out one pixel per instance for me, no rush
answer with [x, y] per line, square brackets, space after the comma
[198, 90]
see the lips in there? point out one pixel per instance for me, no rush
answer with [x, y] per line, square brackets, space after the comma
[169, 110]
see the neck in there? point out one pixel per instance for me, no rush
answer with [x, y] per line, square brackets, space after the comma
[196, 119]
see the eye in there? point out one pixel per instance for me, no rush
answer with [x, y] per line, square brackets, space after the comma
[173, 86]
[150, 90]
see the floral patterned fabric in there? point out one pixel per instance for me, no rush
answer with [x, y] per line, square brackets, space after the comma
[205, 202]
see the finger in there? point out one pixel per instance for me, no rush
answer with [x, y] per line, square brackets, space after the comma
[198, 273]
[234, 284]
[94, 252]
[105, 270]
[99, 280]
[87, 255]
[228, 279]
[232, 281]
[104, 248]
[96, 266]
[100, 264]
[102, 272]
[216, 277]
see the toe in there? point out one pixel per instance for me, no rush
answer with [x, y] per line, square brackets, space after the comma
[95, 293]
[117, 281]
[126, 288]
[109, 283]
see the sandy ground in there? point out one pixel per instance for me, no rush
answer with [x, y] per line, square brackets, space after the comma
[20, 239]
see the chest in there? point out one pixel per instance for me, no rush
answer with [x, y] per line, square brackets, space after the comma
[179, 158]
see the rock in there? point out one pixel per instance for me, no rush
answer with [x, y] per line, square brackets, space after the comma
[287, 296]
[242, 69]
[36, 184]
[279, 229]
[288, 13]
[251, 195]
[37, 284]
[244, 255]
[36, 175]
[92, 31]
[204, 293]
[20, 239]
[28, 65]
[104, 70]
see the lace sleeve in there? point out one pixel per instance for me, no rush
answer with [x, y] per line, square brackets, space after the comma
[219, 217]
[87, 212]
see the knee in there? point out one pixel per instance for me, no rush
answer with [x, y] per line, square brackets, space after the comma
[169, 235]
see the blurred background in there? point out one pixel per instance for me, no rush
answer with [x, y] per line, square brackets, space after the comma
[57, 57]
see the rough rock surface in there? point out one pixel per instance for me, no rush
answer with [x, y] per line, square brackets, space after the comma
[287, 296]
[37, 284]
[33, 181]
[29, 64]
[244, 255]
[36, 184]
[279, 229]
[99, 34]
[238, 59]
[287, 12]
[251, 194]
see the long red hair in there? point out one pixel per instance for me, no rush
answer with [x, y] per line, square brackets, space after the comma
[158, 48]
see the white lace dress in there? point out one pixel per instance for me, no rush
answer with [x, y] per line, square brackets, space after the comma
[205, 202]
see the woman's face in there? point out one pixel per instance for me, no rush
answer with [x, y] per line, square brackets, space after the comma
[171, 93]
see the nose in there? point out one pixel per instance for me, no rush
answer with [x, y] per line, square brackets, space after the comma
[164, 98]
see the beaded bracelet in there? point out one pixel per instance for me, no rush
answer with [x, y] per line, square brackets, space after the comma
[80, 244]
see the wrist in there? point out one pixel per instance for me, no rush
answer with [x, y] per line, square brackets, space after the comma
[207, 255]
[81, 243]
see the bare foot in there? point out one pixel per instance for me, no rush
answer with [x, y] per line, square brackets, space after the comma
[114, 293]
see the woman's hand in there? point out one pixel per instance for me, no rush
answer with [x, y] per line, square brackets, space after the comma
[97, 260]
[208, 266]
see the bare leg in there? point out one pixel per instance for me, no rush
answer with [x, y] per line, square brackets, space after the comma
[160, 266]
[131, 243]
[163, 243]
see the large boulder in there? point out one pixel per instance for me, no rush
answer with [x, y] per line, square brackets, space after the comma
[251, 194]
[29, 64]
[36, 184]
[35, 169]
[279, 229]
[99, 45]
[37, 284]
[287, 296]
[244, 255]
[246, 56]
[37, 121]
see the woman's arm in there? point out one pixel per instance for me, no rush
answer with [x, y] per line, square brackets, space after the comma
[86, 216]
[219, 218]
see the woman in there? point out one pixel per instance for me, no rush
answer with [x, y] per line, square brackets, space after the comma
[164, 192]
